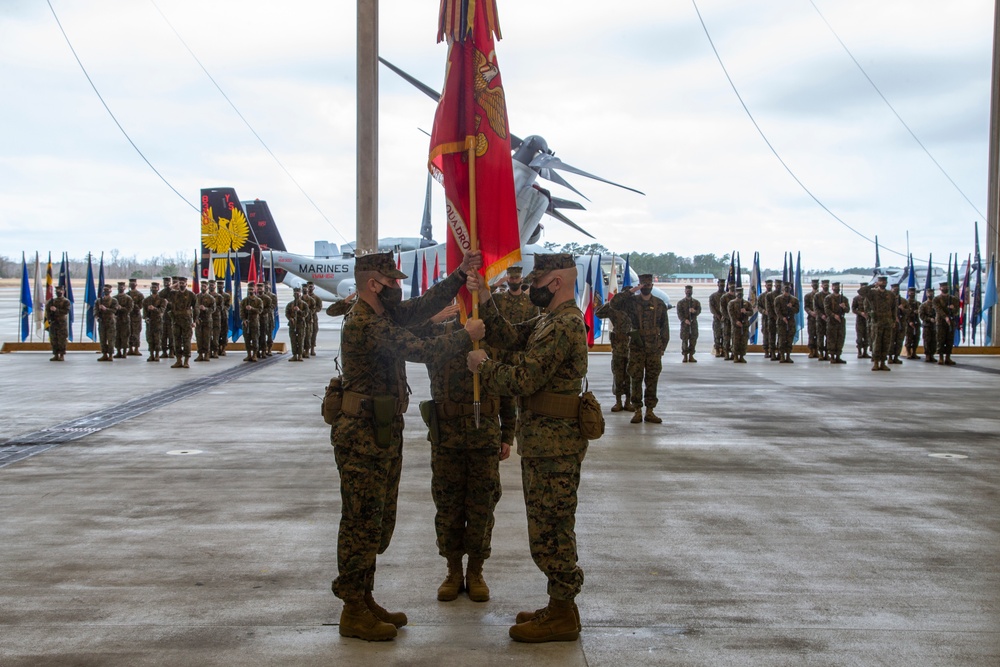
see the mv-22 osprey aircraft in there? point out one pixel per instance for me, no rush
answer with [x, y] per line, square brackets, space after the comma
[332, 269]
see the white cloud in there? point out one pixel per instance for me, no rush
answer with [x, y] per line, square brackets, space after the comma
[634, 95]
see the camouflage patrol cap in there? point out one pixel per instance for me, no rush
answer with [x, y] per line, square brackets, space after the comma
[381, 262]
[133, 280]
[825, 281]
[296, 289]
[108, 288]
[121, 283]
[944, 284]
[691, 287]
[514, 271]
[205, 283]
[220, 281]
[815, 281]
[882, 279]
[769, 282]
[911, 289]
[182, 279]
[251, 282]
[722, 282]
[645, 277]
[835, 284]
[154, 284]
[550, 262]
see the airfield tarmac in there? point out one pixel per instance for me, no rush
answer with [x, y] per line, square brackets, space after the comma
[802, 514]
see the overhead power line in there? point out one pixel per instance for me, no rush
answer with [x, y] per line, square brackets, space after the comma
[111, 113]
[763, 136]
[246, 122]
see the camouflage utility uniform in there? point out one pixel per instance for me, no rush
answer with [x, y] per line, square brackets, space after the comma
[688, 310]
[57, 316]
[621, 325]
[153, 307]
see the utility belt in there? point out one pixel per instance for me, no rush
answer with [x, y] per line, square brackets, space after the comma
[360, 405]
[548, 404]
[488, 407]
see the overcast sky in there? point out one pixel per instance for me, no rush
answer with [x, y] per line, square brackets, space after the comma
[630, 91]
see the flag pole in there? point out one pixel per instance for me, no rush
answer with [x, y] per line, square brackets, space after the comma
[474, 238]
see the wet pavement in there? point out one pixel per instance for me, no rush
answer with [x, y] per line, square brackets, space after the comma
[803, 514]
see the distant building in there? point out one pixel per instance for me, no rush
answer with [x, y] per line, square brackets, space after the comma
[691, 278]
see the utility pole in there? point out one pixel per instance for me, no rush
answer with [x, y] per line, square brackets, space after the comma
[367, 160]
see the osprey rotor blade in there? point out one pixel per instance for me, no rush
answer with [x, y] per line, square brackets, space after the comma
[557, 202]
[562, 218]
[546, 161]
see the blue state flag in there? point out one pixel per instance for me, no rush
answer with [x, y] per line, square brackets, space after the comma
[800, 317]
[990, 300]
[100, 278]
[599, 292]
[415, 278]
[235, 320]
[928, 293]
[26, 308]
[274, 291]
[90, 299]
[69, 293]
[627, 277]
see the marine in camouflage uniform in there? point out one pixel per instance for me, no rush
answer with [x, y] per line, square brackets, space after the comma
[267, 317]
[647, 342]
[621, 326]
[227, 304]
[928, 320]
[367, 435]
[715, 307]
[819, 303]
[786, 306]
[727, 325]
[107, 314]
[880, 306]
[250, 309]
[465, 467]
[57, 317]
[220, 304]
[739, 322]
[899, 332]
[204, 308]
[547, 373]
[765, 317]
[776, 323]
[946, 312]
[265, 302]
[688, 310]
[836, 307]
[123, 327]
[135, 318]
[317, 305]
[167, 340]
[342, 307]
[296, 311]
[860, 325]
[182, 303]
[514, 304]
[153, 309]
[809, 303]
[912, 338]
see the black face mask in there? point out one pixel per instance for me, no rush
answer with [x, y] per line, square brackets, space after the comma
[540, 296]
[390, 297]
[514, 286]
[646, 289]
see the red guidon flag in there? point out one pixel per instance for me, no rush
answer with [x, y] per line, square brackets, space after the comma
[472, 114]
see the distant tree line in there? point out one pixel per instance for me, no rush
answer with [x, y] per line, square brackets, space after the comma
[116, 266]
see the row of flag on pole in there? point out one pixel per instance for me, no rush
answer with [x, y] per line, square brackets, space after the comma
[34, 308]
[420, 281]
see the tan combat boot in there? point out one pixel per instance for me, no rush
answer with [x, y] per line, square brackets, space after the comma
[396, 618]
[152, 357]
[452, 584]
[637, 417]
[186, 359]
[948, 361]
[883, 367]
[179, 363]
[357, 620]
[474, 582]
[651, 418]
[691, 358]
[556, 623]
[617, 407]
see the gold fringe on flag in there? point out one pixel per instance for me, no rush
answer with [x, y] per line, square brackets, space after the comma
[458, 16]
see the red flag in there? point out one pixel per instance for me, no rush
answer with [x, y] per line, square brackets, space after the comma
[195, 279]
[252, 274]
[588, 303]
[437, 273]
[399, 262]
[472, 114]
[423, 272]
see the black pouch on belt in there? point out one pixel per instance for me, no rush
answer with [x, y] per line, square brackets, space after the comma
[384, 411]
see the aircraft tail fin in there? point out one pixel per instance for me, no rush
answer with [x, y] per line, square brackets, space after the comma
[234, 229]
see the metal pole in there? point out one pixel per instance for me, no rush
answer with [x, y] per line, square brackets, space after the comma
[367, 146]
[993, 205]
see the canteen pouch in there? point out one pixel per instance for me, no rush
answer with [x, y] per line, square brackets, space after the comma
[384, 411]
[333, 399]
[428, 411]
[591, 419]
